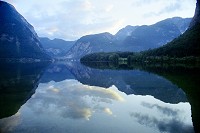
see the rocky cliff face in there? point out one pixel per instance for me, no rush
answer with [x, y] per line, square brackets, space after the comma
[17, 37]
[196, 18]
[103, 42]
[125, 32]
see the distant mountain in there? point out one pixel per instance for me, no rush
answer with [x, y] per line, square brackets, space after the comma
[17, 37]
[125, 32]
[56, 72]
[153, 36]
[131, 38]
[56, 47]
[92, 43]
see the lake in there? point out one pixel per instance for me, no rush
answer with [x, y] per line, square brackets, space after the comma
[74, 98]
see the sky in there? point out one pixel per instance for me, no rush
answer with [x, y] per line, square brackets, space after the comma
[72, 19]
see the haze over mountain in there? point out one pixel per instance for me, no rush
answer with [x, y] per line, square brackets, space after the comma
[130, 38]
[56, 47]
[17, 37]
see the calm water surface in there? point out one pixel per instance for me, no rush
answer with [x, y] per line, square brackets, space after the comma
[73, 98]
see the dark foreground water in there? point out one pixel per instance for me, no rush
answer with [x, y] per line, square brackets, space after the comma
[73, 98]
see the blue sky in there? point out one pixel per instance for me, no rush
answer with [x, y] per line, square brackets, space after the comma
[71, 19]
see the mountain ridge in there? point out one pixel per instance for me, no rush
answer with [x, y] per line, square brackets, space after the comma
[186, 44]
[130, 38]
[18, 38]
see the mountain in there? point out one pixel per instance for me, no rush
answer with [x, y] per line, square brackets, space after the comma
[56, 72]
[196, 18]
[92, 43]
[153, 36]
[131, 38]
[17, 37]
[187, 44]
[56, 47]
[125, 32]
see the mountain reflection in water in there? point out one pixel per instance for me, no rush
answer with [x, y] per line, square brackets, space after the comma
[18, 82]
[82, 99]
[130, 82]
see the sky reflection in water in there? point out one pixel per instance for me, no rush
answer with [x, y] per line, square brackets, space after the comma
[69, 106]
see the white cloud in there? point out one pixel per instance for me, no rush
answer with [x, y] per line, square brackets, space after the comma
[74, 100]
[71, 19]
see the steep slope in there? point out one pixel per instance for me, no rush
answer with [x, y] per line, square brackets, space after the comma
[188, 44]
[196, 18]
[92, 43]
[130, 38]
[17, 37]
[125, 32]
[56, 47]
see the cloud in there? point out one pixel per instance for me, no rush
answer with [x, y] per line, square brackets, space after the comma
[171, 7]
[71, 19]
[109, 8]
[169, 126]
[108, 111]
[8, 124]
[143, 2]
[171, 120]
[66, 105]
[69, 99]
[77, 113]
[165, 110]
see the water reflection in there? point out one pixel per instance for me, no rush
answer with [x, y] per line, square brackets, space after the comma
[183, 75]
[75, 98]
[56, 72]
[129, 81]
[70, 98]
[17, 83]
[172, 125]
[75, 107]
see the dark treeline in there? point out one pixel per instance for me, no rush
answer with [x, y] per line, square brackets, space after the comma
[130, 57]
[106, 57]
